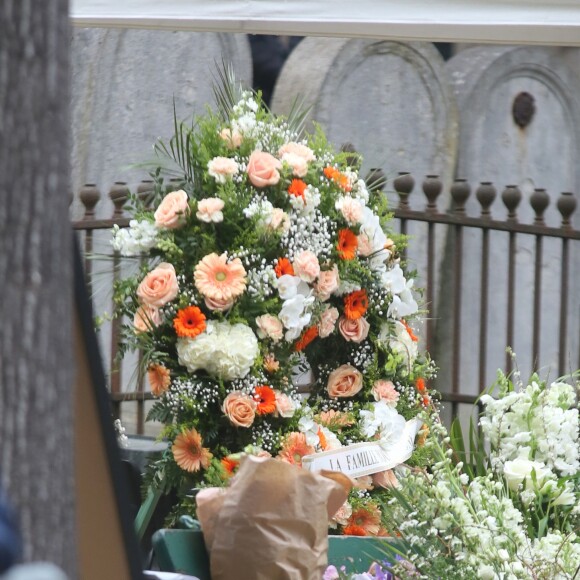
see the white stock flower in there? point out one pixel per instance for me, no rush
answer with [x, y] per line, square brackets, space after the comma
[225, 351]
[537, 423]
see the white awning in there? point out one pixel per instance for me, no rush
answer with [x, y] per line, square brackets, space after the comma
[555, 22]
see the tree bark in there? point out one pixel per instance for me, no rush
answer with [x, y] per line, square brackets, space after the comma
[36, 304]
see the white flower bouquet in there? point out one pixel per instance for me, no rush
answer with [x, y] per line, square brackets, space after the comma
[509, 508]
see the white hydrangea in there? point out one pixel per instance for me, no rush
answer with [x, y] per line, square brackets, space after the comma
[138, 238]
[224, 350]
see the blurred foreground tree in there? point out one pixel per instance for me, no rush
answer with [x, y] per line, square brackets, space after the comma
[36, 364]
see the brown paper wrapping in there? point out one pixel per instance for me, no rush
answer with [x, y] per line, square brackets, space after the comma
[272, 522]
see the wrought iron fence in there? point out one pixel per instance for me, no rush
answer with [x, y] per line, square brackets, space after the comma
[447, 242]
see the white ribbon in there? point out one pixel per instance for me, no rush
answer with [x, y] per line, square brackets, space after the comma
[366, 458]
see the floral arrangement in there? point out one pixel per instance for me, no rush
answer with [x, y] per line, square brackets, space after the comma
[269, 258]
[508, 509]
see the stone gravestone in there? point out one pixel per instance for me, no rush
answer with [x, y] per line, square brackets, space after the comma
[124, 84]
[519, 116]
[391, 100]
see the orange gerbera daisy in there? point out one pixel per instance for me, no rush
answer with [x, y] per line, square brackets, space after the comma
[412, 336]
[230, 465]
[159, 379]
[265, 397]
[334, 418]
[307, 337]
[356, 304]
[189, 453]
[331, 172]
[367, 518]
[189, 322]
[347, 244]
[218, 279]
[352, 530]
[420, 384]
[295, 448]
[283, 267]
[297, 188]
[339, 178]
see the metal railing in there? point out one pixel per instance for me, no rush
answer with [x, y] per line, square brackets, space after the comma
[457, 224]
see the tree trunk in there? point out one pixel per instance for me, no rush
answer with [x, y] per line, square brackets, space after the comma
[36, 363]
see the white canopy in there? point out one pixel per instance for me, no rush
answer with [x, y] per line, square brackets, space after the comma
[555, 22]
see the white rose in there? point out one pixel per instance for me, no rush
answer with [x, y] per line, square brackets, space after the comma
[519, 470]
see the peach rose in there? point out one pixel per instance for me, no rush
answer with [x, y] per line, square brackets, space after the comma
[270, 326]
[345, 381]
[327, 322]
[386, 479]
[172, 210]
[297, 149]
[299, 164]
[219, 304]
[306, 266]
[353, 330]
[220, 168]
[159, 286]
[263, 169]
[146, 318]
[327, 283]
[365, 247]
[240, 409]
[210, 210]
[385, 391]
[233, 138]
[285, 406]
